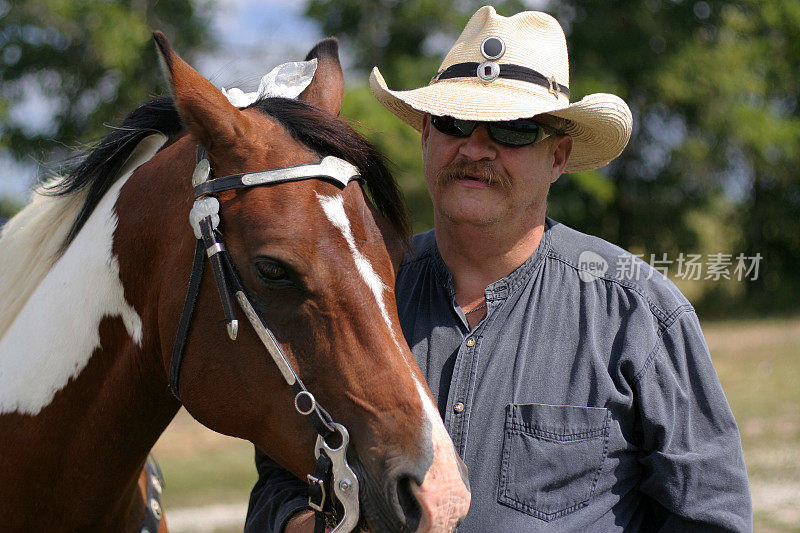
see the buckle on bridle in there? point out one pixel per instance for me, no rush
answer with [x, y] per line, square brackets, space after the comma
[316, 493]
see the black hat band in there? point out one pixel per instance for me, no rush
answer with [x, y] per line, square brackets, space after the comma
[511, 72]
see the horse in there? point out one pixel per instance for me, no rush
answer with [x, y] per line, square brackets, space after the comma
[94, 275]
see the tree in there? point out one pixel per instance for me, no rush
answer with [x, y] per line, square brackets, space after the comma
[71, 66]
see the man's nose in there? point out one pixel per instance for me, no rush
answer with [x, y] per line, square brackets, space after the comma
[479, 145]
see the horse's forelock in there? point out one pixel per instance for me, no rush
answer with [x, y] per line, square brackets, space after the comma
[329, 135]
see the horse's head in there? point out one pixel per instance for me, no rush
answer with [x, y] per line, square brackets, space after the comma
[317, 262]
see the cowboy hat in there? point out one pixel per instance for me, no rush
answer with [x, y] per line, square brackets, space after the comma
[505, 68]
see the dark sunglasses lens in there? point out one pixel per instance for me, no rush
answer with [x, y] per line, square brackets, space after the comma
[516, 132]
[454, 126]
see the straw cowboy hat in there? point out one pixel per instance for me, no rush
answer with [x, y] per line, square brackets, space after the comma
[505, 68]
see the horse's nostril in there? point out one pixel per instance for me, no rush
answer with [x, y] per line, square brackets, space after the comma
[412, 513]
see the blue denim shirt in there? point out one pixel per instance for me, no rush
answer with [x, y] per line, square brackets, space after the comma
[586, 397]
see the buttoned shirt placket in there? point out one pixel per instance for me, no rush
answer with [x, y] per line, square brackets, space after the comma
[462, 384]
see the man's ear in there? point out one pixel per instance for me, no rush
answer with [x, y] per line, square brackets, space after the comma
[426, 130]
[205, 111]
[562, 148]
[326, 90]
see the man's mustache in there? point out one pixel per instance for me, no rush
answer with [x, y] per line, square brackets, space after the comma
[479, 170]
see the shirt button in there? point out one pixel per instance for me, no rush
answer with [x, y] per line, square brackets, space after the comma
[471, 342]
[458, 408]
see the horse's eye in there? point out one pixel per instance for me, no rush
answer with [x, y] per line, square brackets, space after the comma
[272, 272]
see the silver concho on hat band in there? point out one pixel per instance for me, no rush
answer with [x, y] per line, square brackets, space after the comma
[488, 71]
[493, 47]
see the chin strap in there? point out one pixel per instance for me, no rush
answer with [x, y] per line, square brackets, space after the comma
[333, 477]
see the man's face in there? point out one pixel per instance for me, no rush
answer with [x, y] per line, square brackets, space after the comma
[478, 181]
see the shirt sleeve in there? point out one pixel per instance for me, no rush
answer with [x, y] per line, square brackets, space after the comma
[275, 498]
[694, 470]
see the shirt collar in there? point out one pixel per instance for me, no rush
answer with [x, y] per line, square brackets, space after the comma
[505, 286]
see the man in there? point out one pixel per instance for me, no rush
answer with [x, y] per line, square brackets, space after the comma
[582, 398]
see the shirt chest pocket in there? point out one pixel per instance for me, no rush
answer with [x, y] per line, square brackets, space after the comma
[552, 457]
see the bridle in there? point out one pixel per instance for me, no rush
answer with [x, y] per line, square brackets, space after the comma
[332, 469]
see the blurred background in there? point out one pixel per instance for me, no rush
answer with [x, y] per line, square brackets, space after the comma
[708, 189]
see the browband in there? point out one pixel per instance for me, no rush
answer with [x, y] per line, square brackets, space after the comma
[330, 168]
[508, 71]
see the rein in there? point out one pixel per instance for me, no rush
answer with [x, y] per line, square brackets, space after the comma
[332, 470]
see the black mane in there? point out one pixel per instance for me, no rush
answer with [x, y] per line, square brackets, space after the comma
[98, 168]
[319, 131]
[328, 135]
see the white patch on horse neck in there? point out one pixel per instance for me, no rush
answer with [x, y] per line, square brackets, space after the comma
[56, 332]
[30, 243]
[333, 207]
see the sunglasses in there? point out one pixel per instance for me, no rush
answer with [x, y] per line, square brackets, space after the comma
[520, 132]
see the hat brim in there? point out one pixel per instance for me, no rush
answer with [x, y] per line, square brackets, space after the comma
[600, 124]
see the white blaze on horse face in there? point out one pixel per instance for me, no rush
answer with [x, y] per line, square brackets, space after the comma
[333, 207]
[57, 330]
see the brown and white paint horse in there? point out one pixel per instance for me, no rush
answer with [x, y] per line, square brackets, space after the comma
[92, 279]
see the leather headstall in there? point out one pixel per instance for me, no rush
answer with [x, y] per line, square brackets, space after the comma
[332, 474]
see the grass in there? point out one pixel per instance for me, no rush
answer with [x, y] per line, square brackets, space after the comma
[203, 468]
[758, 362]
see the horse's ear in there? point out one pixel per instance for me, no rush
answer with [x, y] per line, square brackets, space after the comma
[205, 111]
[327, 88]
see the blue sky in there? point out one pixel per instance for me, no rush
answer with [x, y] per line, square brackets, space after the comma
[254, 36]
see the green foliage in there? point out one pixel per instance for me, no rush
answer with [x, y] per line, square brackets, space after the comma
[399, 142]
[713, 87]
[746, 75]
[86, 62]
[8, 207]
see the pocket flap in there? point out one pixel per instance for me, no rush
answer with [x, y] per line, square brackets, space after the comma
[557, 422]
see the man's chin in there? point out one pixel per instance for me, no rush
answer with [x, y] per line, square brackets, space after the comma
[470, 201]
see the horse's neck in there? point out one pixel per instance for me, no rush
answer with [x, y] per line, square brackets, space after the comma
[80, 457]
[53, 336]
[78, 400]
